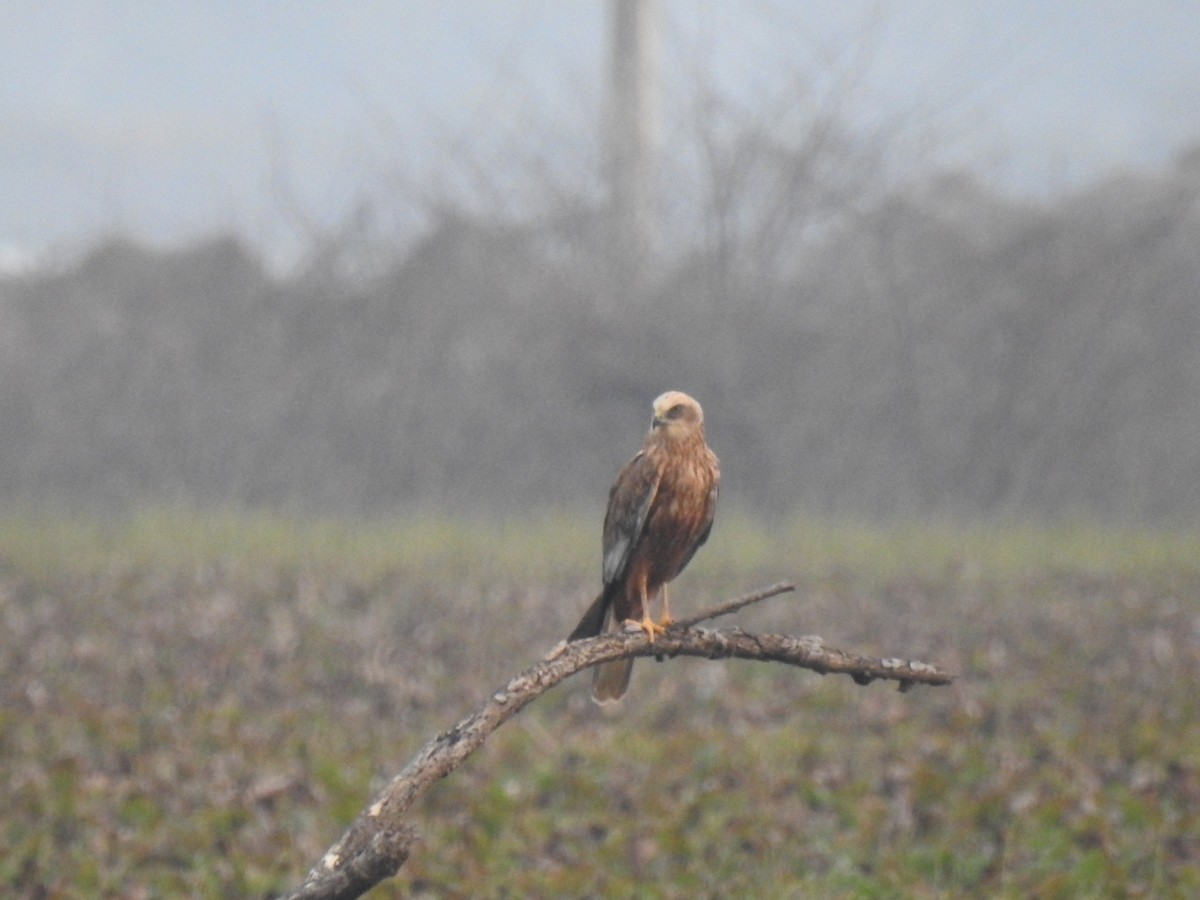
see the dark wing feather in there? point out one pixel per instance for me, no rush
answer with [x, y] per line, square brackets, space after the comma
[629, 504]
[592, 622]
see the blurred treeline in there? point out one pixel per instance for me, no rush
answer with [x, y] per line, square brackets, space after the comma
[925, 348]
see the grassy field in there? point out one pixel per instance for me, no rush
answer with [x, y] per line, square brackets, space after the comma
[198, 705]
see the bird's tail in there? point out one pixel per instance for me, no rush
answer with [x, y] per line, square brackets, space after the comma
[610, 680]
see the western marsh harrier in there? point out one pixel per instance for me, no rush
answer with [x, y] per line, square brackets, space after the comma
[659, 513]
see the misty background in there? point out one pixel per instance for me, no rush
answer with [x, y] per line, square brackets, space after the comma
[915, 259]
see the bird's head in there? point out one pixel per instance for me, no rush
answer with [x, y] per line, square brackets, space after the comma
[677, 415]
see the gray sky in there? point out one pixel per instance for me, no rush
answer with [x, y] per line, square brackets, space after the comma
[166, 120]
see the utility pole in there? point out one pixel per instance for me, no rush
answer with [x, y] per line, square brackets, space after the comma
[634, 133]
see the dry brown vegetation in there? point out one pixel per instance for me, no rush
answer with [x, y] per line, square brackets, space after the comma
[204, 718]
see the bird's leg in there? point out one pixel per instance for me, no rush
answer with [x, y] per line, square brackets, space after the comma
[665, 622]
[648, 624]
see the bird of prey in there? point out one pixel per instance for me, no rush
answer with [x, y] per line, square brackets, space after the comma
[659, 513]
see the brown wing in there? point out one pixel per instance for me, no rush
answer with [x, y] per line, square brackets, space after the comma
[629, 504]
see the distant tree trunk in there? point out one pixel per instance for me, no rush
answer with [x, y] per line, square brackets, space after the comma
[634, 132]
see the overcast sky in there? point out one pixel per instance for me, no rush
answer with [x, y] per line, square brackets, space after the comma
[166, 120]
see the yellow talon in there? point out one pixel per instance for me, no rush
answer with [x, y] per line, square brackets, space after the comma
[646, 624]
[651, 628]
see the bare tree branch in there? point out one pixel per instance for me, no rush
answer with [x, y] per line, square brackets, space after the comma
[378, 842]
[732, 606]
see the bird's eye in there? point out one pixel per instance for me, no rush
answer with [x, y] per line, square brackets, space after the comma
[676, 411]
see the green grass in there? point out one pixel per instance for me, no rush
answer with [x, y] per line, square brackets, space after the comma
[552, 545]
[196, 705]
[541, 546]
